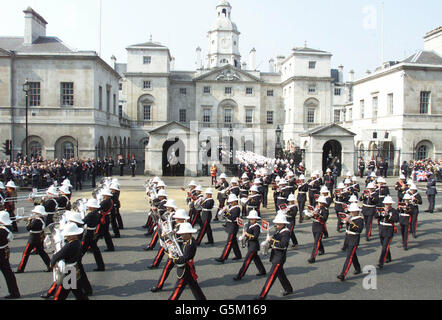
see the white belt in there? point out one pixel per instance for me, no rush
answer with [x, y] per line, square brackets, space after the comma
[386, 224]
[337, 202]
[251, 207]
[404, 214]
[352, 233]
[36, 231]
[282, 198]
[2, 247]
[302, 192]
[91, 229]
[369, 205]
[207, 210]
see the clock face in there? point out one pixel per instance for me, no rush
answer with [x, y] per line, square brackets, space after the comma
[224, 42]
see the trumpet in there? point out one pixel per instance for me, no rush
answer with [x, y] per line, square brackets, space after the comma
[265, 245]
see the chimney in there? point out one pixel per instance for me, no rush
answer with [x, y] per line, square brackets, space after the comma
[272, 65]
[198, 58]
[172, 64]
[351, 76]
[35, 26]
[252, 59]
[341, 73]
[279, 60]
[113, 62]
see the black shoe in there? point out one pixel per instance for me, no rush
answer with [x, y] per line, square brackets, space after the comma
[99, 269]
[210, 243]
[237, 278]
[388, 261]
[155, 289]
[19, 271]
[147, 248]
[45, 296]
[380, 266]
[117, 237]
[321, 253]
[219, 260]
[357, 272]
[152, 267]
[368, 239]
[341, 277]
[427, 211]
[144, 227]
[109, 250]
[286, 293]
[13, 296]
[236, 258]
[48, 270]
[261, 274]
[311, 260]
[294, 246]
[343, 249]
[33, 253]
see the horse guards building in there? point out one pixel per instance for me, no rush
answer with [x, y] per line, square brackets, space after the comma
[77, 105]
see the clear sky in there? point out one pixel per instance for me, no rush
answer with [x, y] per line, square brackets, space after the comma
[349, 29]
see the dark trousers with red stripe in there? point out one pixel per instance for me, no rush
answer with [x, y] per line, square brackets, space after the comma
[5, 267]
[28, 249]
[119, 219]
[318, 246]
[368, 223]
[232, 243]
[197, 219]
[158, 258]
[252, 255]
[62, 293]
[181, 284]
[352, 258]
[167, 268]
[154, 240]
[206, 229]
[103, 232]
[339, 224]
[151, 228]
[277, 271]
[405, 231]
[292, 233]
[385, 253]
[89, 242]
[148, 222]
[114, 224]
[301, 206]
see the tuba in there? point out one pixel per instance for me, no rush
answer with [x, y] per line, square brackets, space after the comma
[53, 242]
[170, 242]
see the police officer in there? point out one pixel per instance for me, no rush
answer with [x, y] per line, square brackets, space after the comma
[279, 243]
[251, 235]
[431, 193]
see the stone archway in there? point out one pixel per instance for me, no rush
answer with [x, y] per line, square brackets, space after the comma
[332, 155]
[173, 158]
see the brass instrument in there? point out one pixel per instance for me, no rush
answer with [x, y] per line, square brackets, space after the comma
[223, 213]
[313, 181]
[170, 242]
[265, 245]
[53, 242]
[243, 238]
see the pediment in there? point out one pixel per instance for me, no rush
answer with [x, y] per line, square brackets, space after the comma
[227, 74]
[329, 130]
[169, 127]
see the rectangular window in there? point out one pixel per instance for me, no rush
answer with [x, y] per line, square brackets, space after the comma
[120, 111]
[147, 109]
[350, 114]
[425, 102]
[206, 89]
[107, 99]
[206, 118]
[312, 89]
[311, 115]
[337, 91]
[147, 84]
[147, 60]
[249, 116]
[183, 114]
[228, 90]
[269, 117]
[269, 93]
[228, 115]
[100, 98]
[183, 91]
[115, 103]
[312, 65]
[249, 90]
[34, 94]
[375, 107]
[390, 104]
[67, 94]
[337, 116]
[120, 86]
[362, 108]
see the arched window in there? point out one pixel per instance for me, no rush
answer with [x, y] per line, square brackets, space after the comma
[35, 148]
[422, 152]
[224, 61]
[67, 150]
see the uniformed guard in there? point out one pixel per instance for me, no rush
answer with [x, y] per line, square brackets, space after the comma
[231, 228]
[354, 226]
[314, 185]
[50, 203]
[6, 237]
[279, 243]
[302, 195]
[206, 217]
[106, 207]
[91, 221]
[195, 205]
[221, 196]
[431, 192]
[185, 265]
[35, 226]
[133, 165]
[401, 187]
[340, 200]
[416, 199]
[11, 192]
[114, 189]
[251, 237]
[160, 210]
[387, 216]
[254, 200]
[370, 200]
[405, 212]
[63, 201]
[292, 211]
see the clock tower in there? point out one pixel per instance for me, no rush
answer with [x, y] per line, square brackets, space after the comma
[224, 39]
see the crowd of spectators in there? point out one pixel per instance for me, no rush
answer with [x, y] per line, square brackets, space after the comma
[418, 170]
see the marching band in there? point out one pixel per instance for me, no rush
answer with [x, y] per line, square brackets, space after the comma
[68, 231]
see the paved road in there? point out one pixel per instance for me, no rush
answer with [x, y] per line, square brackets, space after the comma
[413, 274]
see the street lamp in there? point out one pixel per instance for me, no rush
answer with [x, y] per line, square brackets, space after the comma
[26, 88]
[278, 141]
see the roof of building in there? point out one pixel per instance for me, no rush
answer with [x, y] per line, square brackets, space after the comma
[319, 129]
[149, 44]
[121, 68]
[432, 32]
[424, 57]
[305, 49]
[40, 45]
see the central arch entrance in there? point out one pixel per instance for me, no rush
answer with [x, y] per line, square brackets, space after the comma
[173, 158]
[332, 156]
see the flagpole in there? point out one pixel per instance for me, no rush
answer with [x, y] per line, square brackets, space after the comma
[99, 50]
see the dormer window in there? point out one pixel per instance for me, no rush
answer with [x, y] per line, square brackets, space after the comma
[312, 65]
[147, 60]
